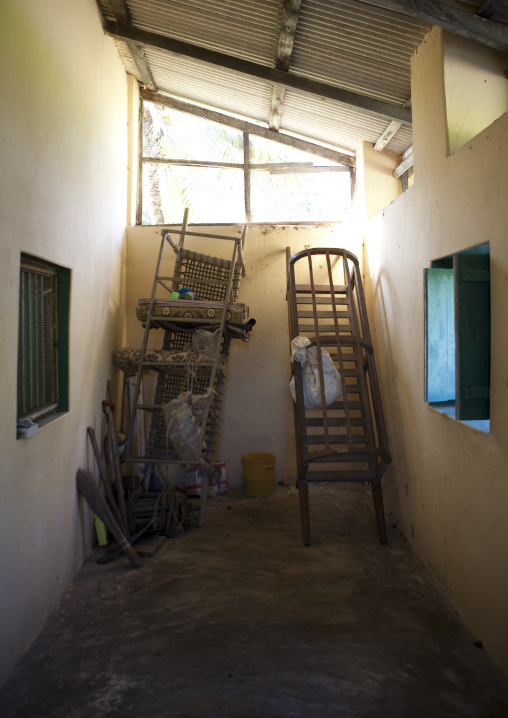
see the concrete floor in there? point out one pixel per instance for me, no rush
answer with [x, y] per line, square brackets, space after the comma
[238, 619]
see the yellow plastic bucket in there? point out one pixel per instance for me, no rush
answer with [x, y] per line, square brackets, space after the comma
[258, 474]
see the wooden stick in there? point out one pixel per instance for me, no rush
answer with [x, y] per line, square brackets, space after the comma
[94, 498]
[104, 478]
[115, 460]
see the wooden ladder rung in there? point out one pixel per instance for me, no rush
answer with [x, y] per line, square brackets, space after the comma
[320, 289]
[335, 421]
[323, 300]
[323, 314]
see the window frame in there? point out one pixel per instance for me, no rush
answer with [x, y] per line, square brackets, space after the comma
[246, 168]
[457, 299]
[50, 327]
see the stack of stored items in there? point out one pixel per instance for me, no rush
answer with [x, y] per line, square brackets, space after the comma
[199, 316]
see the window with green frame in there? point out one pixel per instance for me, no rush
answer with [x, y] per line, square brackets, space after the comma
[457, 335]
[43, 341]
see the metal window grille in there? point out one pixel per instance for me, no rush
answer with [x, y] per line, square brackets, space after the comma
[37, 342]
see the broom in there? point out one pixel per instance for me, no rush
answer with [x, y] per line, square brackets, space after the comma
[94, 498]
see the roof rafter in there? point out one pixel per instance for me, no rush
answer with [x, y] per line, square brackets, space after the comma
[288, 24]
[387, 135]
[489, 8]
[350, 99]
[453, 19]
[122, 14]
[248, 127]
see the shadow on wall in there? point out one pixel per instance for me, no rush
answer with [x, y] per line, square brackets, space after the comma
[394, 394]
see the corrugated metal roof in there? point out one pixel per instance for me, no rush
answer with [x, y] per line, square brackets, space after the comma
[217, 87]
[342, 43]
[356, 46]
[326, 120]
[247, 30]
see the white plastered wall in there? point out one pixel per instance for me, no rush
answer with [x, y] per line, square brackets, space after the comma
[63, 179]
[257, 413]
[447, 488]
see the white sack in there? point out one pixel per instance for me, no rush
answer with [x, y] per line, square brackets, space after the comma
[302, 352]
[184, 417]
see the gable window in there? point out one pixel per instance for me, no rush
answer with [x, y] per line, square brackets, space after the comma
[457, 335]
[42, 386]
[225, 175]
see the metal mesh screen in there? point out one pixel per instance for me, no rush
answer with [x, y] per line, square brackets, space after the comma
[37, 342]
[211, 275]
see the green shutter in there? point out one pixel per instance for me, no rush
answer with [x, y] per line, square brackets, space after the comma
[472, 335]
[63, 310]
[439, 335]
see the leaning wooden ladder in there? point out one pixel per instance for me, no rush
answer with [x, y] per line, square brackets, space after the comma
[347, 440]
[211, 278]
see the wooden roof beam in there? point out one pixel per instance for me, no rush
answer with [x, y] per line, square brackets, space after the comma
[406, 163]
[453, 19]
[122, 15]
[387, 135]
[353, 100]
[289, 21]
[249, 127]
[490, 8]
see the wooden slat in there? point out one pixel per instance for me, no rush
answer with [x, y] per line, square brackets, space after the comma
[320, 289]
[346, 358]
[312, 422]
[246, 175]
[406, 163]
[191, 163]
[360, 455]
[387, 135]
[324, 476]
[316, 169]
[122, 14]
[276, 106]
[340, 405]
[304, 328]
[318, 345]
[335, 439]
[323, 314]
[351, 373]
[323, 300]
[289, 21]
[250, 127]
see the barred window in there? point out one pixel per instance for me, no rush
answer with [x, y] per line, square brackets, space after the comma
[42, 339]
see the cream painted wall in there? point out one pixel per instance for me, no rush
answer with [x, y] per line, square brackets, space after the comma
[63, 179]
[476, 88]
[376, 185]
[257, 413]
[447, 488]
